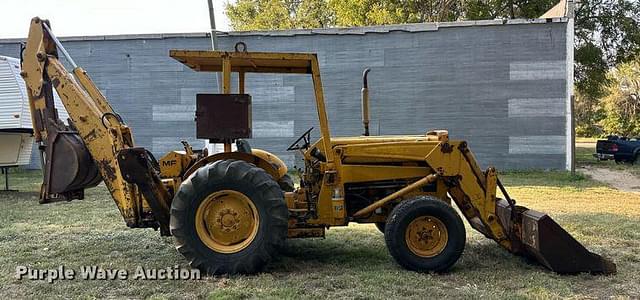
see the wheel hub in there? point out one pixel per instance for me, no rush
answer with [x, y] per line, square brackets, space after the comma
[227, 221]
[426, 236]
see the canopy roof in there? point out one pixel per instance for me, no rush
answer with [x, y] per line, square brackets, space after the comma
[256, 62]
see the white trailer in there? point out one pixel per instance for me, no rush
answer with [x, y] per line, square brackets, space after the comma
[16, 130]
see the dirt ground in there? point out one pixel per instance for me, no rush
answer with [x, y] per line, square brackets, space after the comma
[619, 179]
[624, 177]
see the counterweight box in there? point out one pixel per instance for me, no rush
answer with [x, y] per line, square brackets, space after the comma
[223, 117]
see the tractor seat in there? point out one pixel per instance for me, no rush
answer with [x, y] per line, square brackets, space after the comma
[243, 146]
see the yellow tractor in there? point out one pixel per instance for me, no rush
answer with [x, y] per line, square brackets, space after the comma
[229, 212]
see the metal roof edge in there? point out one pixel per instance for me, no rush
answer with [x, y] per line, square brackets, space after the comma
[411, 27]
[144, 36]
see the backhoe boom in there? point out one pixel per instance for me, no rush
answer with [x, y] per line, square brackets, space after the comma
[102, 132]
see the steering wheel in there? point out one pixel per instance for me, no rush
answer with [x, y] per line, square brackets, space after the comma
[306, 137]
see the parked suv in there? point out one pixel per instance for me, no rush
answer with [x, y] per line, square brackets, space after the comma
[620, 149]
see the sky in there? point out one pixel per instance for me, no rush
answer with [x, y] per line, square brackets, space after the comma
[107, 17]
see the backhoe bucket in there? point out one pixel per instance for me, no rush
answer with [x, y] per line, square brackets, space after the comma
[536, 235]
[69, 168]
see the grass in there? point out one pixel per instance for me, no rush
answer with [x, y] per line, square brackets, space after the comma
[585, 140]
[350, 263]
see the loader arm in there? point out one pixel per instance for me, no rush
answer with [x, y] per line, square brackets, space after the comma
[452, 165]
[102, 131]
[518, 229]
[473, 190]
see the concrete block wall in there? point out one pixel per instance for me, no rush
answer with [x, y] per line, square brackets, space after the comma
[502, 87]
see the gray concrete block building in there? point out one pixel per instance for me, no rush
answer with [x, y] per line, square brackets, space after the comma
[504, 86]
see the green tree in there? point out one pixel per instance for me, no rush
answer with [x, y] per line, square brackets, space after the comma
[314, 14]
[588, 113]
[284, 14]
[380, 12]
[607, 33]
[491, 9]
[622, 104]
[278, 14]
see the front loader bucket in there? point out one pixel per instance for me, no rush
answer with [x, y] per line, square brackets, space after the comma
[536, 235]
[69, 168]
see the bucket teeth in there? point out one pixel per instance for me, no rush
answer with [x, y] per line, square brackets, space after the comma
[536, 235]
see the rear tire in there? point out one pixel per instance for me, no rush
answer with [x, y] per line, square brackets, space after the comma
[425, 234]
[236, 231]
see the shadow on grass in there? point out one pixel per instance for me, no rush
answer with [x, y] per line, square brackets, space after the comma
[301, 255]
[613, 236]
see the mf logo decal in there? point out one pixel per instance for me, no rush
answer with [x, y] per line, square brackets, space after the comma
[169, 163]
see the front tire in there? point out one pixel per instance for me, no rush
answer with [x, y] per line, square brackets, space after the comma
[425, 234]
[381, 226]
[229, 217]
[286, 183]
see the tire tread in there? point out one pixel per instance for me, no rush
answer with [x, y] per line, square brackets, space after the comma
[395, 235]
[198, 185]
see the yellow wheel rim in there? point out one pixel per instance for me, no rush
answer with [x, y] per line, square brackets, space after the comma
[426, 236]
[227, 221]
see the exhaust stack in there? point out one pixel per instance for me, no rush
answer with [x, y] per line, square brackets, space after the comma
[365, 101]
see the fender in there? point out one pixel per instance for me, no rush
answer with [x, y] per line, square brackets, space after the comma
[273, 170]
[273, 159]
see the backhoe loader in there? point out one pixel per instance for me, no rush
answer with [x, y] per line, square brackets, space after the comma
[230, 212]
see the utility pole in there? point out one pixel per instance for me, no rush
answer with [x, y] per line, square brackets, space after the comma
[573, 136]
[569, 13]
[214, 46]
[214, 39]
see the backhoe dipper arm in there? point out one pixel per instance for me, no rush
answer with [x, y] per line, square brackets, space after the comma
[102, 130]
